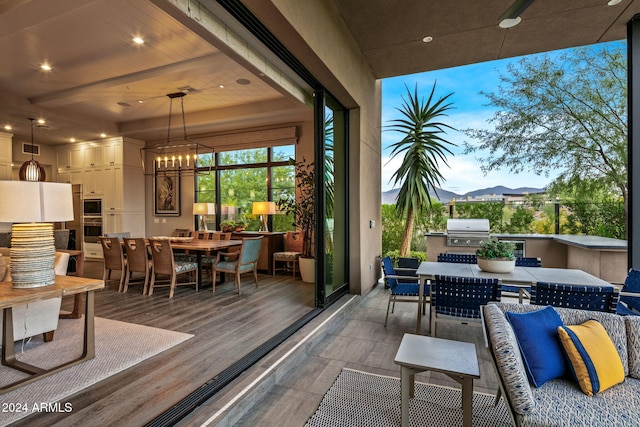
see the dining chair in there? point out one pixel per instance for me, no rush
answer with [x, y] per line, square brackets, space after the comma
[291, 253]
[137, 261]
[246, 261]
[402, 288]
[180, 232]
[594, 298]
[458, 258]
[523, 292]
[629, 303]
[220, 235]
[113, 259]
[458, 299]
[162, 262]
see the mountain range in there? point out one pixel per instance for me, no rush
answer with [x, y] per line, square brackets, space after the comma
[389, 197]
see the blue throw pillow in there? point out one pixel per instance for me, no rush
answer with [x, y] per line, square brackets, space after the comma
[537, 335]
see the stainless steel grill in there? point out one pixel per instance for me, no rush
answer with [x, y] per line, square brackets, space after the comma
[467, 233]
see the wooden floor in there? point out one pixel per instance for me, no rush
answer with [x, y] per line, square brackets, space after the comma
[226, 327]
[359, 341]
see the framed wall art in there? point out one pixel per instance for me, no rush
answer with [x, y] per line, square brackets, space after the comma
[166, 191]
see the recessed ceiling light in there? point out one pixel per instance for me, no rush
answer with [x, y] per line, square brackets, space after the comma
[243, 82]
[613, 2]
[140, 101]
[510, 22]
[72, 140]
[45, 67]
[138, 40]
[103, 135]
[221, 86]
[7, 127]
[427, 39]
[41, 121]
[124, 104]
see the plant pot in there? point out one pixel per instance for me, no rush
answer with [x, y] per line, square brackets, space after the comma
[496, 265]
[307, 269]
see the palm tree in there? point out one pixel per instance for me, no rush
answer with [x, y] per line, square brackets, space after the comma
[423, 146]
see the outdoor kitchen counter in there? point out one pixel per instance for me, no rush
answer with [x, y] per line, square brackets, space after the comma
[601, 256]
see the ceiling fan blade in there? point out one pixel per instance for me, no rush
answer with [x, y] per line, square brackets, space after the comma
[516, 9]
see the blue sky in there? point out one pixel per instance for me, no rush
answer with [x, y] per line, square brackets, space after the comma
[470, 111]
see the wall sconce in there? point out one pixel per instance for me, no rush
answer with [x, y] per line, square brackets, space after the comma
[33, 207]
[203, 209]
[263, 209]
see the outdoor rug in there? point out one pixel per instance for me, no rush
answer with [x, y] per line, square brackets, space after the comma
[361, 399]
[119, 345]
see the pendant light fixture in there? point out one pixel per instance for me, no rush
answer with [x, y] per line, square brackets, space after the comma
[31, 170]
[181, 156]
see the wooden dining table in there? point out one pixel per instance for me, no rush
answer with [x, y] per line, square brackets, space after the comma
[523, 276]
[201, 247]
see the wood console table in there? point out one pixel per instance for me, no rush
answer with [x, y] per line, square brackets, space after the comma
[64, 285]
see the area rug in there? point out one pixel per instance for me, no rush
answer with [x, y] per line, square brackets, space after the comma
[119, 345]
[361, 399]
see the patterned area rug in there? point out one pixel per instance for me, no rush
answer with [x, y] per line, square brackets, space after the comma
[361, 399]
[119, 345]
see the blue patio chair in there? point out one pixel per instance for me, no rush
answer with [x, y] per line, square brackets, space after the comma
[458, 299]
[524, 292]
[629, 303]
[595, 298]
[406, 290]
[458, 258]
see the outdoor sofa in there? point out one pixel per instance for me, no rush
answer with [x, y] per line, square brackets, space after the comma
[561, 401]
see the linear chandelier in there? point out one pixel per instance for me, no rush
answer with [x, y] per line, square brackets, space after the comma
[178, 156]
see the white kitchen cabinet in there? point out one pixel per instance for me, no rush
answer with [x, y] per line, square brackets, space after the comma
[70, 176]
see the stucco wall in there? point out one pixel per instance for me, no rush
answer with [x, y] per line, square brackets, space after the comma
[315, 33]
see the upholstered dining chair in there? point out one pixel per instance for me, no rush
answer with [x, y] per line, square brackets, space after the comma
[137, 262]
[402, 288]
[246, 261]
[291, 253]
[113, 259]
[458, 299]
[162, 262]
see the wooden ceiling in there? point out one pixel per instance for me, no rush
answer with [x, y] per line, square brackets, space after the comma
[102, 82]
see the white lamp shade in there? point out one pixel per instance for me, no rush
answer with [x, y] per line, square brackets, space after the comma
[204, 208]
[264, 208]
[25, 201]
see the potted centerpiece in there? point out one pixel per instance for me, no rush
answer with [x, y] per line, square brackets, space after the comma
[496, 256]
[302, 208]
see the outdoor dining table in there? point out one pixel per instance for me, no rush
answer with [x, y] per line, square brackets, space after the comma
[524, 276]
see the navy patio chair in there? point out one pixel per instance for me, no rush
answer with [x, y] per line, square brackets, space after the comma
[458, 299]
[402, 288]
[629, 303]
[522, 291]
[458, 258]
[595, 298]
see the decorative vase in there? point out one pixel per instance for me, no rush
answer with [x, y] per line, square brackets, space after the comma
[496, 265]
[307, 269]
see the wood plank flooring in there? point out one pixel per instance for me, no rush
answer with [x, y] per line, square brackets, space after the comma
[225, 325]
[360, 341]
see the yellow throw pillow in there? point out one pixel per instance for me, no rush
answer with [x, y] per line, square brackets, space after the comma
[593, 358]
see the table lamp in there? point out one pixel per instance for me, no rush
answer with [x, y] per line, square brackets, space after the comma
[203, 209]
[263, 209]
[32, 207]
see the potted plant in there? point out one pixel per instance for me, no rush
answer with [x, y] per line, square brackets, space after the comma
[496, 256]
[302, 209]
[227, 225]
[240, 225]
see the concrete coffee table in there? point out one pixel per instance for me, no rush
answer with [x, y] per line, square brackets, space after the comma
[456, 359]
